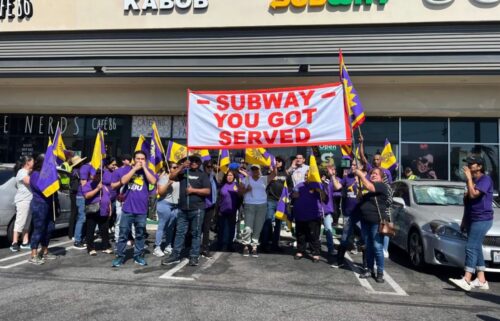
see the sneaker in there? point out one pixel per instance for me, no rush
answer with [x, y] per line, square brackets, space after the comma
[386, 254]
[478, 285]
[354, 251]
[366, 274]
[168, 250]
[461, 283]
[93, 253]
[108, 251]
[36, 260]
[337, 265]
[14, 247]
[117, 262]
[80, 246]
[380, 278]
[254, 253]
[140, 260]
[206, 254]
[158, 252]
[246, 252]
[193, 261]
[48, 257]
[26, 246]
[173, 259]
[130, 243]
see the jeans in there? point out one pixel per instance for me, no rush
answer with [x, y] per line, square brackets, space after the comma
[207, 223]
[126, 222]
[374, 243]
[80, 219]
[328, 222]
[167, 217]
[119, 206]
[43, 223]
[474, 260]
[349, 225]
[226, 230]
[386, 243]
[267, 229]
[184, 219]
[255, 215]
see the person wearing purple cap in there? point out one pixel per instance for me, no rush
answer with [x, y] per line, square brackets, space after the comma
[476, 222]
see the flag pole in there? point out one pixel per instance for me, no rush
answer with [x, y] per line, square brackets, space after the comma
[218, 163]
[53, 196]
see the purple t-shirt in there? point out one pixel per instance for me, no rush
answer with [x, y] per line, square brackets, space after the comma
[117, 174]
[229, 199]
[349, 199]
[328, 206]
[107, 179]
[308, 206]
[137, 196]
[103, 197]
[85, 172]
[481, 208]
[37, 193]
[387, 172]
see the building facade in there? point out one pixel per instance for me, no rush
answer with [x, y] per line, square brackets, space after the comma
[427, 71]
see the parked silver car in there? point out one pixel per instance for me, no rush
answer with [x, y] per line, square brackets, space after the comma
[427, 216]
[8, 209]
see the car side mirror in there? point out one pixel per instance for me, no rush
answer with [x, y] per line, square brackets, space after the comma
[399, 201]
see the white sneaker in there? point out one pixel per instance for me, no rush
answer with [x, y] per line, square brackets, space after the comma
[158, 252]
[461, 283]
[478, 285]
[168, 250]
[386, 254]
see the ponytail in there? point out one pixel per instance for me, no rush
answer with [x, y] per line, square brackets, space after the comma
[21, 162]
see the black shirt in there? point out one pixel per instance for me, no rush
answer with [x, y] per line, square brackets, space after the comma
[368, 206]
[275, 187]
[197, 179]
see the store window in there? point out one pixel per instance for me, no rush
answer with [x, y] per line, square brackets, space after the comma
[460, 152]
[428, 161]
[424, 130]
[474, 131]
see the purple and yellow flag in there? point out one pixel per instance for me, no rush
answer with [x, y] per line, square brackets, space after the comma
[99, 153]
[60, 151]
[389, 160]
[351, 97]
[224, 160]
[259, 156]
[176, 152]
[156, 151]
[48, 182]
[142, 145]
[282, 206]
[313, 177]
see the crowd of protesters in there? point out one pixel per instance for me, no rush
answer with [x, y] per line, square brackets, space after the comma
[190, 199]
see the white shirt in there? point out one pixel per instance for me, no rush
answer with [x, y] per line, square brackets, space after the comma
[299, 174]
[172, 195]
[23, 192]
[258, 194]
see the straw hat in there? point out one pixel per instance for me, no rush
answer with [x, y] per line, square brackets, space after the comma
[76, 160]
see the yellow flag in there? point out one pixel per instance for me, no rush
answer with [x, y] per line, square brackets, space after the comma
[99, 152]
[313, 176]
[258, 156]
[389, 160]
[176, 152]
[140, 142]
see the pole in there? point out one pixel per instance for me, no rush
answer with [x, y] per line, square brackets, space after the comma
[54, 207]
[187, 180]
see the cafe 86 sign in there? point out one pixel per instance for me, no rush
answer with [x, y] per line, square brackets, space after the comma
[10, 9]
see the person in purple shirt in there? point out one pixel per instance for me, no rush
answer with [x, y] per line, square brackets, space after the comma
[230, 200]
[84, 173]
[308, 213]
[135, 208]
[120, 189]
[376, 161]
[328, 177]
[42, 215]
[98, 210]
[107, 180]
[477, 220]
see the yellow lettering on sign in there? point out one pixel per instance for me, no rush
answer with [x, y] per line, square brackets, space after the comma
[277, 4]
[299, 3]
[317, 3]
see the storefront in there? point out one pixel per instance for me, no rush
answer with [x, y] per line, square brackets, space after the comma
[428, 71]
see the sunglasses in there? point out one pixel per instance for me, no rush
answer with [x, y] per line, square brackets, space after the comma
[424, 160]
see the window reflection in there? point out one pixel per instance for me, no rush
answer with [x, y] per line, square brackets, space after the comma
[474, 131]
[427, 161]
[424, 130]
[488, 152]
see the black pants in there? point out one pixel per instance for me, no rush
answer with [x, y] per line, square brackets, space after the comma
[94, 219]
[336, 210]
[207, 223]
[73, 215]
[308, 232]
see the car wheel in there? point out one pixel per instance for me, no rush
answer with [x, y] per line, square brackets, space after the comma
[416, 249]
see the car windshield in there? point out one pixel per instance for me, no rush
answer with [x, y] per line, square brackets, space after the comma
[438, 195]
[5, 175]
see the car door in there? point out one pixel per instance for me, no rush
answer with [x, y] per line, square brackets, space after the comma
[64, 203]
[397, 213]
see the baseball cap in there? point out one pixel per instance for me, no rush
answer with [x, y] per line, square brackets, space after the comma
[254, 166]
[474, 160]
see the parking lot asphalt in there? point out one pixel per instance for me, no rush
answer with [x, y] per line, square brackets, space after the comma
[231, 287]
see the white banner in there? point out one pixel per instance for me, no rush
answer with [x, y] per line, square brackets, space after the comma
[299, 116]
[141, 125]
